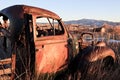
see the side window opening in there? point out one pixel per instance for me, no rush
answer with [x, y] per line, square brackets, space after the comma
[48, 27]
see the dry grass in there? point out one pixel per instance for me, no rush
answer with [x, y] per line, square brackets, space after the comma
[91, 71]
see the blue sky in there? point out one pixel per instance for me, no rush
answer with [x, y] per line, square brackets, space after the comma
[75, 9]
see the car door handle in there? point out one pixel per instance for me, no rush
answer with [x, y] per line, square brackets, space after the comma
[36, 49]
[39, 48]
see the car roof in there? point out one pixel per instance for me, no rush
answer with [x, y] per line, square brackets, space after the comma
[17, 11]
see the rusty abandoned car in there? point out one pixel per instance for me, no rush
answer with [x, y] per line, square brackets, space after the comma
[34, 41]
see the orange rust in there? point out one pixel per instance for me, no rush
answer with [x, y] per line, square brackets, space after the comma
[50, 55]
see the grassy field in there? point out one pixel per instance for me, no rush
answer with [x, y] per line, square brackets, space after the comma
[98, 73]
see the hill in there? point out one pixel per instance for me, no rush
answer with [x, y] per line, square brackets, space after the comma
[91, 22]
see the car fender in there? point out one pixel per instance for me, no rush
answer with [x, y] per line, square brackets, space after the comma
[98, 53]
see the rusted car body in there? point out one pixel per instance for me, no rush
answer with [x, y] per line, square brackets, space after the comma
[45, 44]
[38, 39]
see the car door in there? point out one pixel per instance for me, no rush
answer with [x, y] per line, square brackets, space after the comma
[51, 45]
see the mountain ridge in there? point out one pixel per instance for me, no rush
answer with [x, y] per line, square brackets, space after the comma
[92, 22]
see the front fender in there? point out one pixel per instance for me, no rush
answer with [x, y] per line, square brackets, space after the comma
[98, 53]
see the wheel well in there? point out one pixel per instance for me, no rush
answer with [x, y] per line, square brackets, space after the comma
[108, 61]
